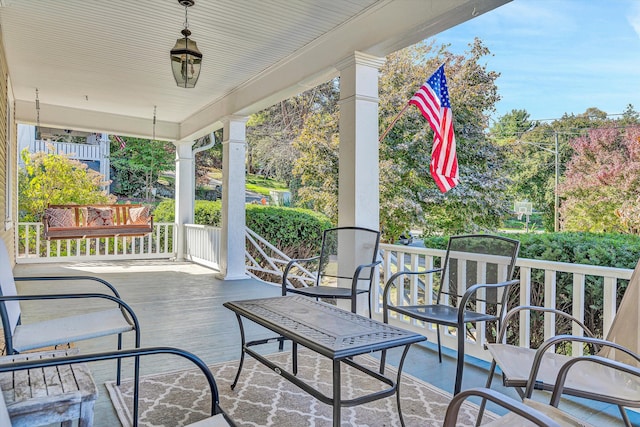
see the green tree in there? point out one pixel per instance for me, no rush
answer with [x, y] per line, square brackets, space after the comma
[317, 165]
[57, 180]
[408, 194]
[138, 165]
[271, 132]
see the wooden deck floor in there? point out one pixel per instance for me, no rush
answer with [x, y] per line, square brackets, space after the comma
[179, 304]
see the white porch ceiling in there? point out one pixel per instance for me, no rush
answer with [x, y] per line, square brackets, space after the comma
[103, 65]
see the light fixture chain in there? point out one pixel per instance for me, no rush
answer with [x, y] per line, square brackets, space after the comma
[37, 109]
[154, 122]
[186, 20]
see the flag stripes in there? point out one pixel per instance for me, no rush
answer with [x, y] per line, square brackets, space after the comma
[432, 99]
[122, 142]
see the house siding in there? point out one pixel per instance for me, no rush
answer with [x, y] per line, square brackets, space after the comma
[8, 161]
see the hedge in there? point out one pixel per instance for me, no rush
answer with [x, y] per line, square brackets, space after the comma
[297, 232]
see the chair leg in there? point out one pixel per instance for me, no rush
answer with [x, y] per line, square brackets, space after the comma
[483, 402]
[459, 361]
[119, 362]
[439, 346]
[625, 417]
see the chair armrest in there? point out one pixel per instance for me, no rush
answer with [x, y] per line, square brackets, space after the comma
[60, 278]
[564, 371]
[471, 291]
[120, 354]
[356, 274]
[290, 264]
[537, 360]
[392, 279]
[511, 313]
[517, 407]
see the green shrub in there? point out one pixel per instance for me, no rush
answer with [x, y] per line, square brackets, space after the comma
[297, 232]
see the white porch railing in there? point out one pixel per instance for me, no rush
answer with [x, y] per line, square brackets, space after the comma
[32, 247]
[415, 258]
[266, 262]
[76, 151]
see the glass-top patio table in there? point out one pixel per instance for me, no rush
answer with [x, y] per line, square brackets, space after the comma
[328, 330]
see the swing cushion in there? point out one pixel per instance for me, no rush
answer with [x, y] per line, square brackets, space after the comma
[98, 217]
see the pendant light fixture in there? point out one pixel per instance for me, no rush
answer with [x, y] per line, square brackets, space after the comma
[185, 56]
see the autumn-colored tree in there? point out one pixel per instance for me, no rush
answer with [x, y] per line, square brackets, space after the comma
[531, 154]
[602, 181]
[56, 179]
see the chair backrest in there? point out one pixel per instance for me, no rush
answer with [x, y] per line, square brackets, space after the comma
[5, 420]
[625, 329]
[9, 310]
[473, 259]
[346, 248]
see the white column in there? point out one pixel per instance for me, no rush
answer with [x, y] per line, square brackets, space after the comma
[105, 151]
[358, 177]
[232, 260]
[185, 192]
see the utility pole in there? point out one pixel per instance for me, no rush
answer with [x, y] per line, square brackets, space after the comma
[556, 200]
[556, 214]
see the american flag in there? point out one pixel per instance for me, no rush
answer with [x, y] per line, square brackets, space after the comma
[432, 99]
[122, 142]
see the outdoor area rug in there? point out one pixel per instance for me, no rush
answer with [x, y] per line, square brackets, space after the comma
[264, 398]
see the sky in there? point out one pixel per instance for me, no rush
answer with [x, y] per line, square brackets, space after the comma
[559, 56]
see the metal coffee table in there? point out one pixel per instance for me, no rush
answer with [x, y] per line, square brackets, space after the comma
[330, 331]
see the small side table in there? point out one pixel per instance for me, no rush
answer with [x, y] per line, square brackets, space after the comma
[57, 394]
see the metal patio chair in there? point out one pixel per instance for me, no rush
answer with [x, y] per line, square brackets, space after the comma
[344, 269]
[20, 337]
[529, 412]
[527, 369]
[218, 417]
[475, 278]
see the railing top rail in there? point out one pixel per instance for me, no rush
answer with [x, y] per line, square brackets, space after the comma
[591, 270]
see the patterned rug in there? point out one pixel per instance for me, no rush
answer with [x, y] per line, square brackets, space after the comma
[264, 398]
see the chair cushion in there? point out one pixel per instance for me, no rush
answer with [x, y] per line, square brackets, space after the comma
[60, 217]
[139, 215]
[69, 329]
[215, 421]
[97, 217]
[561, 417]
[516, 362]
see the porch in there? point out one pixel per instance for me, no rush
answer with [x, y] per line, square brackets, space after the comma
[190, 316]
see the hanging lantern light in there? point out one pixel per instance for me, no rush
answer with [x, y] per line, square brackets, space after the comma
[185, 56]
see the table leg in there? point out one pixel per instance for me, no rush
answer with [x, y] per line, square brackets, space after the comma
[242, 339]
[337, 398]
[404, 354]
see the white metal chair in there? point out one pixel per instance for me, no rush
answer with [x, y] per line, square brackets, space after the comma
[24, 337]
[527, 413]
[528, 369]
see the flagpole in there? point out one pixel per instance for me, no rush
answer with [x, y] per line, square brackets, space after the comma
[393, 122]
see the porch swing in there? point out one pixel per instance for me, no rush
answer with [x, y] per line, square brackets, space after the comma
[76, 221]
[88, 221]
